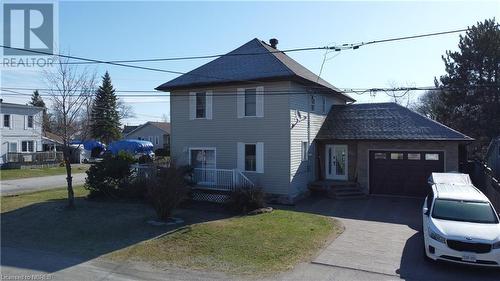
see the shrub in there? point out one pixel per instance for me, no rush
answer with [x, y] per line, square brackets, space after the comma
[162, 152]
[105, 178]
[168, 191]
[244, 200]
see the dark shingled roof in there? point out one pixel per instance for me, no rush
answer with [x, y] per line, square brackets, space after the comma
[127, 129]
[240, 67]
[383, 121]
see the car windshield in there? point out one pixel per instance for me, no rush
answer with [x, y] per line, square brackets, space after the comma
[479, 212]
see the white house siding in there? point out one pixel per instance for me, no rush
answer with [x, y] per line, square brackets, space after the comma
[150, 133]
[225, 130]
[18, 130]
[302, 172]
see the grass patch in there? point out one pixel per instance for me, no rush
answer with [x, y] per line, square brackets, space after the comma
[261, 244]
[11, 174]
[12, 202]
[257, 245]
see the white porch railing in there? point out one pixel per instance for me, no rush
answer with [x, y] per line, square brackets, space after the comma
[221, 179]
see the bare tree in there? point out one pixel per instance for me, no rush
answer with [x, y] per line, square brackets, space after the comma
[71, 92]
[401, 97]
[124, 110]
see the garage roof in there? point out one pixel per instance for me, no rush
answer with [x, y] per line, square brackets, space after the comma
[383, 121]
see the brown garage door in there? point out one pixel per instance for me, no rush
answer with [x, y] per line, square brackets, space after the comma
[403, 172]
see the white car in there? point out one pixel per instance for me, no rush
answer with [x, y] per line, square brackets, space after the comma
[460, 224]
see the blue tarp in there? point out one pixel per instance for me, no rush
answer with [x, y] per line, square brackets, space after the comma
[131, 146]
[88, 144]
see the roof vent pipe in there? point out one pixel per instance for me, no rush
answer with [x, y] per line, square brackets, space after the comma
[273, 42]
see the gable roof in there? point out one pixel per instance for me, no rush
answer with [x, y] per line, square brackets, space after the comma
[383, 121]
[127, 129]
[27, 106]
[164, 126]
[253, 62]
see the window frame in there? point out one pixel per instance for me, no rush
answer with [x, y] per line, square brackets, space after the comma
[198, 98]
[304, 151]
[32, 118]
[313, 103]
[245, 102]
[28, 146]
[8, 120]
[245, 157]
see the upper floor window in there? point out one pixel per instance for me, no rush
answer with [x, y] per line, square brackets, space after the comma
[30, 121]
[313, 103]
[201, 105]
[6, 120]
[250, 102]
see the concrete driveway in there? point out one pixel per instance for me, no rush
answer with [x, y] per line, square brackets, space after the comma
[9, 187]
[383, 236]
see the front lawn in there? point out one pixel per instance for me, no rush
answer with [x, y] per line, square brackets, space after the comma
[11, 174]
[210, 239]
[264, 243]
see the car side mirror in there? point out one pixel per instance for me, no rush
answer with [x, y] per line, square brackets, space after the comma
[426, 211]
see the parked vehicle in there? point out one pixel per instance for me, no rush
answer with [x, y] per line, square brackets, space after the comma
[137, 148]
[87, 151]
[459, 222]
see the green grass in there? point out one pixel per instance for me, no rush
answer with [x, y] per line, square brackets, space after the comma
[258, 245]
[12, 202]
[11, 174]
[261, 244]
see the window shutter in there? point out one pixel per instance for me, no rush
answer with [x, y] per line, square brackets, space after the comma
[260, 157]
[192, 106]
[240, 102]
[260, 102]
[241, 156]
[25, 122]
[11, 121]
[1, 121]
[208, 98]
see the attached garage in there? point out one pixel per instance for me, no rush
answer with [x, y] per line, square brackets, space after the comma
[385, 149]
[403, 173]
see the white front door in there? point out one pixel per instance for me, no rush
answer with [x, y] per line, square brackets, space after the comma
[203, 162]
[336, 161]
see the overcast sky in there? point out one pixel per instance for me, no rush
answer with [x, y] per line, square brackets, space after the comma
[134, 30]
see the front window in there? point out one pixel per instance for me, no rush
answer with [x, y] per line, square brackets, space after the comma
[468, 211]
[30, 121]
[250, 157]
[6, 120]
[201, 105]
[27, 146]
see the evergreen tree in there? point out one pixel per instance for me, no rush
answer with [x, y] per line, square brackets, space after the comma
[470, 97]
[105, 119]
[36, 100]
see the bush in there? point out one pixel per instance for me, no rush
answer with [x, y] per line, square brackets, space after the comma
[162, 152]
[107, 177]
[244, 200]
[168, 191]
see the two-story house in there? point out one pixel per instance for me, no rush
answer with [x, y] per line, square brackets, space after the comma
[257, 112]
[21, 129]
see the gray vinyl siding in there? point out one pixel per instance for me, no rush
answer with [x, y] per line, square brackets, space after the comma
[225, 130]
[150, 131]
[303, 172]
[17, 131]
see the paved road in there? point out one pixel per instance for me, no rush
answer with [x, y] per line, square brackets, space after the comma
[9, 187]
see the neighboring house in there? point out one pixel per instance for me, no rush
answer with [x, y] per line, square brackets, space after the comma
[493, 156]
[260, 115]
[156, 132]
[52, 142]
[21, 129]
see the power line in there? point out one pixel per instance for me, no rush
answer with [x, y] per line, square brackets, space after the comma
[334, 48]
